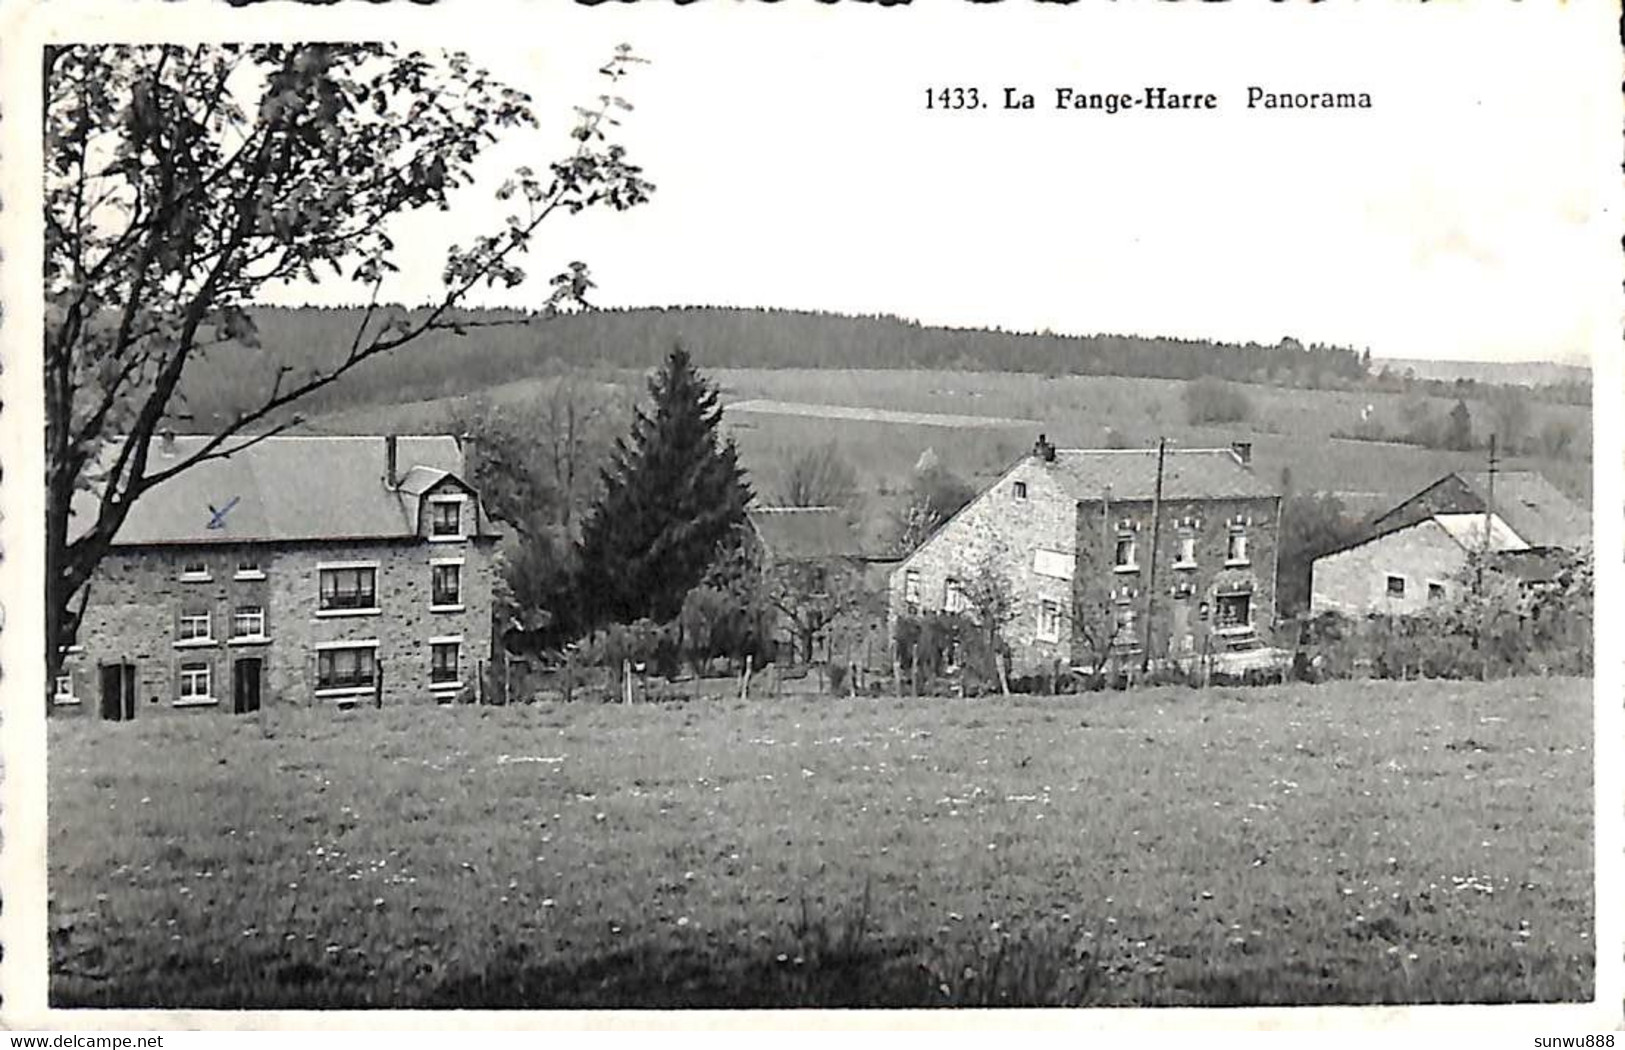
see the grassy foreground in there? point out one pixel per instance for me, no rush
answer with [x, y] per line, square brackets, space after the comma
[1346, 843]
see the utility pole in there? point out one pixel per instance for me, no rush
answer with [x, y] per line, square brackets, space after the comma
[1151, 579]
[1489, 514]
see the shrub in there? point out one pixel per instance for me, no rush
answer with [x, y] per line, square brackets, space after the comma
[1209, 400]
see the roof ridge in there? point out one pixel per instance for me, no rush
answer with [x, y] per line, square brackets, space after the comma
[792, 510]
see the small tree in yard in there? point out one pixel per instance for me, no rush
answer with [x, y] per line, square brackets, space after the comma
[672, 497]
[992, 602]
[813, 596]
[182, 182]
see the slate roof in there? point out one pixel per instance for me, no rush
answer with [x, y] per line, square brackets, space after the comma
[1131, 474]
[1534, 508]
[286, 489]
[798, 533]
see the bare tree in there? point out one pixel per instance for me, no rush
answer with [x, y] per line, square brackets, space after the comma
[992, 600]
[180, 182]
[818, 476]
[813, 595]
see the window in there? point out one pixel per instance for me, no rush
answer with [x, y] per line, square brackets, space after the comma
[446, 518]
[62, 691]
[348, 587]
[248, 622]
[1234, 611]
[911, 590]
[1187, 553]
[446, 586]
[195, 684]
[953, 598]
[1236, 552]
[1396, 586]
[1124, 556]
[194, 569]
[1049, 620]
[1054, 564]
[248, 568]
[1127, 636]
[1435, 591]
[1020, 489]
[352, 667]
[194, 626]
[444, 658]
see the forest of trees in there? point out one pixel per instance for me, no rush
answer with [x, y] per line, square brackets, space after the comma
[500, 346]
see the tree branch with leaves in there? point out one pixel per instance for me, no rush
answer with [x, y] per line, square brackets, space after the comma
[183, 182]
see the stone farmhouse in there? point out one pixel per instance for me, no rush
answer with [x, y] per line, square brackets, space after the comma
[299, 570]
[1086, 542]
[1422, 546]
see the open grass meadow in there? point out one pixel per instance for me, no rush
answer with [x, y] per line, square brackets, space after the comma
[1355, 842]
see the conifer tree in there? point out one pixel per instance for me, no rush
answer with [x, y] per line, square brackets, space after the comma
[672, 495]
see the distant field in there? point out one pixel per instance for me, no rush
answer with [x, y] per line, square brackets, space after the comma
[1345, 843]
[995, 417]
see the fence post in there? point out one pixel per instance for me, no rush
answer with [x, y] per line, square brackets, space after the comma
[744, 679]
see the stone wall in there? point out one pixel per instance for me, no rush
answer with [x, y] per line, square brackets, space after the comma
[1184, 615]
[1003, 530]
[138, 596]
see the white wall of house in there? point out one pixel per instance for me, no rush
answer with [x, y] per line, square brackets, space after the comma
[1396, 574]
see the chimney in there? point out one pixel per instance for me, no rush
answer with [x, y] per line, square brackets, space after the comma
[391, 453]
[1243, 451]
[1044, 450]
[469, 445]
[166, 442]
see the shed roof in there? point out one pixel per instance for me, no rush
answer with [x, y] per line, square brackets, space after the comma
[1535, 508]
[1131, 474]
[796, 533]
[287, 489]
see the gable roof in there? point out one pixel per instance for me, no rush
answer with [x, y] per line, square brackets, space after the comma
[1131, 474]
[797, 533]
[287, 489]
[1534, 507]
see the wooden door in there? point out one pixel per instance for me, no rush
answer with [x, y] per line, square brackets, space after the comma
[117, 692]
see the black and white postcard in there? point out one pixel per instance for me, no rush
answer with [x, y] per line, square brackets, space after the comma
[1106, 512]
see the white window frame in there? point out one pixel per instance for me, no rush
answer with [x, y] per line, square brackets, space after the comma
[256, 573]
[1133, 563]
[447, 639]
[1048, 628]
[1186, 558]
[59, 698]
[953, 596]
[911, 589]
[1235, 628]
[184, 674]
[347, 690]
[192, 641]
[440, 501]
[199, 575]
[246, 639]
[341, 566]
[1236, 552]
[441, 563]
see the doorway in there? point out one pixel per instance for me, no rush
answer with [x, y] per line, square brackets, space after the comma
[246, 674]
[118, 692]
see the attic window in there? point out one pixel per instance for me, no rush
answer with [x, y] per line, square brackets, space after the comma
[1020, 489]
[1396, 586]
[194, 569]
[249, 568]
[446, 518]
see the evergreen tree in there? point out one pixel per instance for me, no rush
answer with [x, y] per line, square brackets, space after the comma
[672, 495]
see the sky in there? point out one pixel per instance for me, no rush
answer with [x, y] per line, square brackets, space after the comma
[1464, 216]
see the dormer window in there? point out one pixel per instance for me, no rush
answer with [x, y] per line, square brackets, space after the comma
[446, 518]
